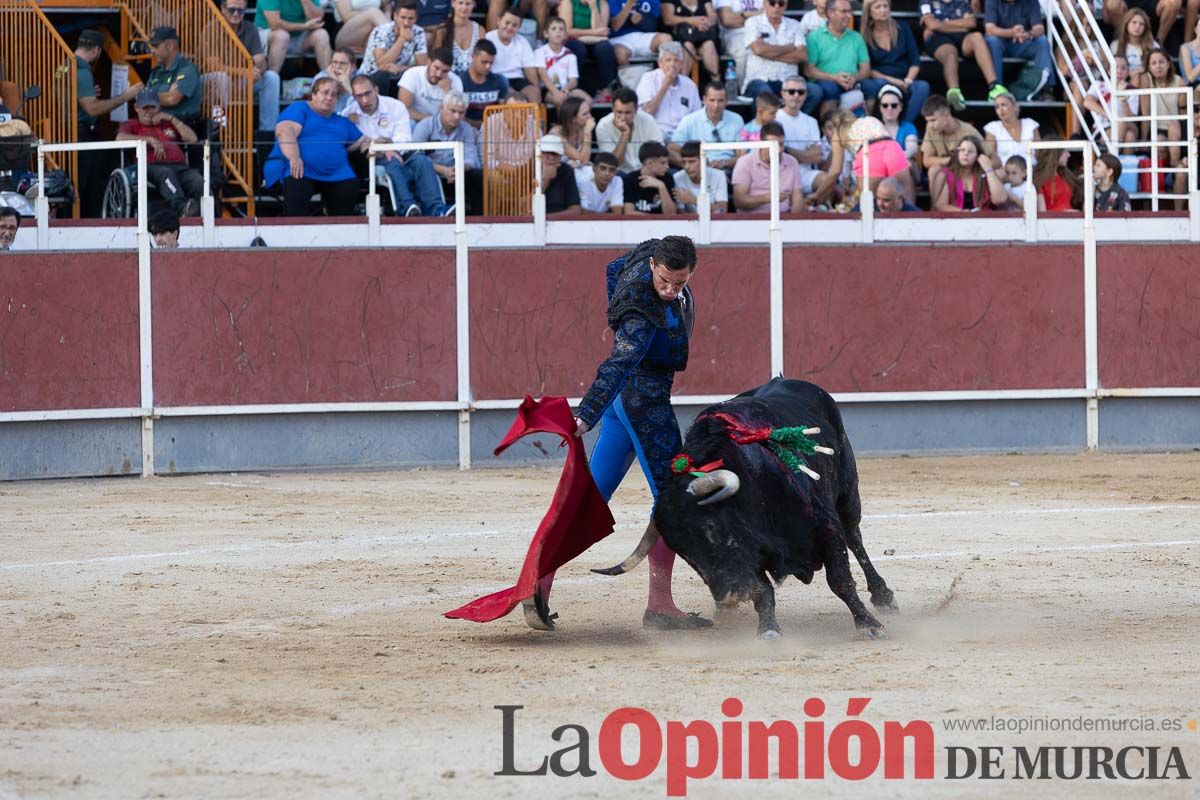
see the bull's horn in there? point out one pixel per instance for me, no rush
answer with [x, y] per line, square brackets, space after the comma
[639, 553]
[722, 481]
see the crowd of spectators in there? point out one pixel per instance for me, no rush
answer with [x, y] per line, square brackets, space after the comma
[632, 88]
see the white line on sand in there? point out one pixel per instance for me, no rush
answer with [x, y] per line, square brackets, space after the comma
[409, 538]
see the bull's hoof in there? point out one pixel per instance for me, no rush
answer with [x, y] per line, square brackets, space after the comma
[770, 635]
[885, 601]
[537, 613]
[658, 621]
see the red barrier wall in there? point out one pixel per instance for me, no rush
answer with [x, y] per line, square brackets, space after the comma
[68, 331]
[538, 321]
[890, 318]
[287, 326]
[1149, 315]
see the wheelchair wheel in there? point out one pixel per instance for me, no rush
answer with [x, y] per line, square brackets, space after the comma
[118, 196]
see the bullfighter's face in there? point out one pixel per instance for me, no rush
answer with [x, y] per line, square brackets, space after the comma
[669, 283]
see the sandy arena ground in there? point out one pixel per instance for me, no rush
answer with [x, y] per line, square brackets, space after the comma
[280, 635]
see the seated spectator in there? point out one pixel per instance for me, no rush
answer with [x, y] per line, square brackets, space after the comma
[310, 155]
[167, 168]
[385, 120]
[10, 220]
[633, 24]
[814, 18]
[1181, 181]
[1166, 11]
[801, 133]
[434, 19]
[835, 179]
[889, 105]
[1017, 29]
[1169, 109]
[266, 83]
[508, 139]
[887, 159]
[464, 34]
[448, 126]
[712, 123]
[625, 130]
[775, 49]
[1134, 42]
[892, 49]
[395, 46]
[422, 88]
[1097, 101]
[733, 15]
[694, 27]
[1110, 195]
[540, 9]
[174, 78]
[514, 56]
[1058, 188]
[558, 67]
[558, 180]
[950, 28]
[601, 190]
[766, 108]
[969, 182]
[1010, 134]
[943, 132]
[650, 190]
[1016, 171]
[752, 177]
[687, 183]
[587, 38]
[889, 196]
[838, 62]
[480, 84]
[666, 94]
[292, 28]
[341, 71]
[358, 18]
[163, 227]
[1189, 53]
[575, 126]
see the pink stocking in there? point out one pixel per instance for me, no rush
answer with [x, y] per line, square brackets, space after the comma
[662, 560]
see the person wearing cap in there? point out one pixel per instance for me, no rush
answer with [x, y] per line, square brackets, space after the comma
[175, 78]
[164, 134]
[558, 182]
[94, 165]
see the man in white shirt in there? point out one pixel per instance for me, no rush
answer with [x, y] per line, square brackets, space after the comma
[776, 46]
[385, 120]
[801, 133]
[514, 56]
[625, 130]
[687, 183]
[664, 93]
[733, 15]
[600, 190]
[422, 88]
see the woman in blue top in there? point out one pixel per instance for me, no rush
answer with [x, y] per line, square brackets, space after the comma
[651, 313]
[892, 49]
[310, 155]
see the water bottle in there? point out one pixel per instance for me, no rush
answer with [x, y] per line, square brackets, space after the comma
[731, 79]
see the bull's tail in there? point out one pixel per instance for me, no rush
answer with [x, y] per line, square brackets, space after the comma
[638, 554]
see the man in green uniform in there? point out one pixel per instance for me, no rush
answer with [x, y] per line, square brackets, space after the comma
[176, 79]
[94, 164]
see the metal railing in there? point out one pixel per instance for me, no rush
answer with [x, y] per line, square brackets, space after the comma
[33, 53]
[1186, 141]
[508, 150]
[1079, 39]
[207, 39]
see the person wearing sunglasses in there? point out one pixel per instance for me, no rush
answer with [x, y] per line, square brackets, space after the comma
[776, 49]
[802, 133]
[895, 59]
[889, 107]
[266, 81]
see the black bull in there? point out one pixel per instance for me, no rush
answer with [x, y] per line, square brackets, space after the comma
[754, 518]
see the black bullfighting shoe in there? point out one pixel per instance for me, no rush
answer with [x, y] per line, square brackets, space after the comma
[669, 622]
[537, 612]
